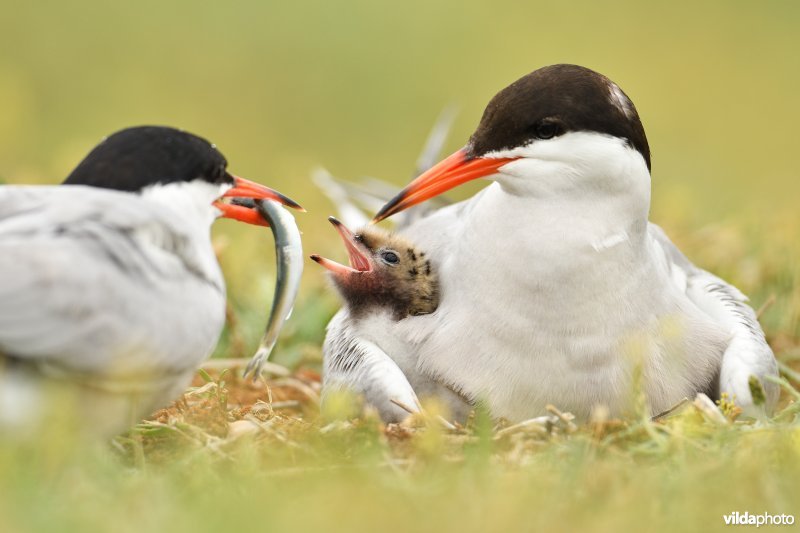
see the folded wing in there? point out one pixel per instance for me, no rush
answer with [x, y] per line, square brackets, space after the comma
[748, 353]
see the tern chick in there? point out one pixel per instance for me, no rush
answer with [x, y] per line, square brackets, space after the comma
[389, 280]
[386, 271]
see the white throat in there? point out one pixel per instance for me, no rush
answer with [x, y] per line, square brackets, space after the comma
[568, 202]
[190, 201]
[188, 207]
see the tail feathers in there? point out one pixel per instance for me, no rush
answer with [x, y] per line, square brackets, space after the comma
[432, 150]
[357, 202]
[345, 197]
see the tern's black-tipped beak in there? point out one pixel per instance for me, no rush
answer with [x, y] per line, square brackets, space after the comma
[244, 188]
[243, 206]
[448, 173]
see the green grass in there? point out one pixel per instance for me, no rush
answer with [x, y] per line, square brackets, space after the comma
[684, 474]
[282, 87]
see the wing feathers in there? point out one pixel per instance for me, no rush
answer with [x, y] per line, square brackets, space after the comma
[748, 353]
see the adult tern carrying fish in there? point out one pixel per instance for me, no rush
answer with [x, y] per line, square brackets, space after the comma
[110, 292]
[289, 265]
[555, 288]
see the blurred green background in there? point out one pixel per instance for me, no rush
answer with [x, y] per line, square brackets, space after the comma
[282, 87]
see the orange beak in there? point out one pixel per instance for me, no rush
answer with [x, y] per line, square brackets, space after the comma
[448, 173]
[243, 188]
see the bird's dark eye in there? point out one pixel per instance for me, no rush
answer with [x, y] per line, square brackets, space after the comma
[389, 257]
[545, 130]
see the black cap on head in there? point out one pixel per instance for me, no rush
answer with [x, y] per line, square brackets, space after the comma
[555, 100]
[134, 158]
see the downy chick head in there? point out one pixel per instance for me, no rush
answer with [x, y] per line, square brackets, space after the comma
[386, 271]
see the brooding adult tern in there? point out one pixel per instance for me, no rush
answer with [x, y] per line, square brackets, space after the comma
[555, 288]
[110, 292]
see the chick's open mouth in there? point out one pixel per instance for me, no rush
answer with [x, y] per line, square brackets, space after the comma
[359, 261]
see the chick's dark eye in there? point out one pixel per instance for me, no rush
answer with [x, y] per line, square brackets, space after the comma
[546, 130]
[390, 258]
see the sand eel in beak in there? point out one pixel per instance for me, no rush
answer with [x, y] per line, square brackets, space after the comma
[110, 293]
[289, 269]
[388, 280]
[556, 289]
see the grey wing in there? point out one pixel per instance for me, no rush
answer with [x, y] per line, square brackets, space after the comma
[748, 353]
[361, 367]
[76, 277]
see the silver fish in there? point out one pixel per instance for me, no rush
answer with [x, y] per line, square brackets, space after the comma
[289, 259]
